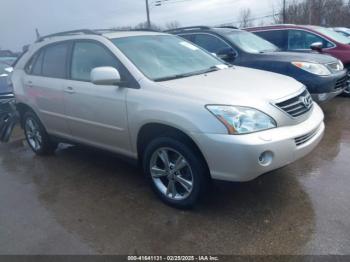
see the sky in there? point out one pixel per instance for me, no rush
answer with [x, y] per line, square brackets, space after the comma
[19, 18]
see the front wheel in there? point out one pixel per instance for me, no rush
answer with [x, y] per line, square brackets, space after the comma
[176, 173]
[347, 89]
[36, 135]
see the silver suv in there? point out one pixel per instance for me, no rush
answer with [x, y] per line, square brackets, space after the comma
[185, 115]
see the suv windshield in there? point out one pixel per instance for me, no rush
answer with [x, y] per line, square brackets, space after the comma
[165, 57]
[250, 42]
[333, 35]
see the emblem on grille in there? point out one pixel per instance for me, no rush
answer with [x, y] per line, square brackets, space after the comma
[306, 101]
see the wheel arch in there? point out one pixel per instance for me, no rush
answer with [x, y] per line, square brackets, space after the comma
[22, 108]
[150, 131]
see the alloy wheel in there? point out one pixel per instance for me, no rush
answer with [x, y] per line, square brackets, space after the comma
[171, 173]
[33, 134]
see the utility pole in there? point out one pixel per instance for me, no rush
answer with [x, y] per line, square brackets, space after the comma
[310, 11]
[148, 16]
[284, 12]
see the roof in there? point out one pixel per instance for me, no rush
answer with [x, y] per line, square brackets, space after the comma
[120, 34]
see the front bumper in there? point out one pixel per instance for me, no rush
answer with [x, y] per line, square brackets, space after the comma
[245, 157]
[324, 97]
[324, 88]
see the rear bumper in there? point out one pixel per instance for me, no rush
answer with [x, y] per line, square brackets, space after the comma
[245, 157]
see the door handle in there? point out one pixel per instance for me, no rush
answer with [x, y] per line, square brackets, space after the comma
[69, 90]
[30, 84]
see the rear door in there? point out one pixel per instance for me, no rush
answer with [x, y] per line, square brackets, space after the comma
[46, 75]
[97, 114]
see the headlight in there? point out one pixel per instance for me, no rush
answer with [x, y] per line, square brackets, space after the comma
[313, 68]
[242, 120]
[340, 66]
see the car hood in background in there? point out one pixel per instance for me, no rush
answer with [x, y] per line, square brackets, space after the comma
[299, 57]
[4, 87]
[237, 85]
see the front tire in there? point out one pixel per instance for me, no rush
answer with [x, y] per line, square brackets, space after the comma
[176, 173]
[36, 135]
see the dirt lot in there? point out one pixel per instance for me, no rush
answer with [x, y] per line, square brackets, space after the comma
[83, 201]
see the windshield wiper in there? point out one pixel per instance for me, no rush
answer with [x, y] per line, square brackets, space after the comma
[200, 72]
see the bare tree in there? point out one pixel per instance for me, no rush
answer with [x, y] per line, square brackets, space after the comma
[245, 18]
[317, 12]
[172, 25]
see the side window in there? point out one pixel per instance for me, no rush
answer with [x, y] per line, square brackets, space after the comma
[298, 39]
[87, 56]
[210, 43]
[55, 60]
[37, 67]
[277, 37]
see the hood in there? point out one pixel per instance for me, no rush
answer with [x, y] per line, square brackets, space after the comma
[299, 57]
[236, 85]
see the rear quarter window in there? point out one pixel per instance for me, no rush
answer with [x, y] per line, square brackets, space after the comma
[55, 61]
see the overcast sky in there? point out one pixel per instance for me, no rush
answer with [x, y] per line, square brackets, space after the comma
[19, 18]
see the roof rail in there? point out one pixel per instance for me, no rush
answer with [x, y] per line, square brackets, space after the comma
[106, 30]
[67, 33]
[188, 28]
[227, 26]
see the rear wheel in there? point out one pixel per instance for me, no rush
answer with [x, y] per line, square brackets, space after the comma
[176, 173]
[36, 135]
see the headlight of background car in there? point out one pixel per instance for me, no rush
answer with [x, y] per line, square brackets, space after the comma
[242, 120]
[313, 68]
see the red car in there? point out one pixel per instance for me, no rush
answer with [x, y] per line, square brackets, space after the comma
[301, 38]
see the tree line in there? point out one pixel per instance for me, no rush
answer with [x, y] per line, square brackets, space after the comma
[330, 13]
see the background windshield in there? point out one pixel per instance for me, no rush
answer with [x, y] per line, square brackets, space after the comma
[250, 42]
[2, 68]
[164, 56]
[333, 35]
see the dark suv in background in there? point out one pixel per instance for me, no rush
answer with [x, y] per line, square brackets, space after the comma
[323, 75]
[298, 38]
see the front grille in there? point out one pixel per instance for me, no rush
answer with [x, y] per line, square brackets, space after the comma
[341, 83]
[298, 105]
[305, 138]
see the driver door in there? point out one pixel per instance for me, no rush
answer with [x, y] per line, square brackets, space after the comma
[96, 114]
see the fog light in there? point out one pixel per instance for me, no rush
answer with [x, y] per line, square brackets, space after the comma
[265, 159]
[322, 97]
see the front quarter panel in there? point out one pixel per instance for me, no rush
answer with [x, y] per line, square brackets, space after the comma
[150, 105]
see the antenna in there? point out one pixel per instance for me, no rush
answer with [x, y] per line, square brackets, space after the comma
[37, 34]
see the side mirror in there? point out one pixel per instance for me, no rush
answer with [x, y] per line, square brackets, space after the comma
[318, 46]
[105, 76]
[226, 54]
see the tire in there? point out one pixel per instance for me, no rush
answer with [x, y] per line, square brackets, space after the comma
[36, 135]
[180, 183]
[346, 92]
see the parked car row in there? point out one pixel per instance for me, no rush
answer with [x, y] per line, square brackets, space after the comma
[323, 75]
[297, 38]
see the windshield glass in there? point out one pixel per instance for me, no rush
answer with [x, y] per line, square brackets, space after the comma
[164, 57]
[333, 35]
[8, 60]
[250, 42]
